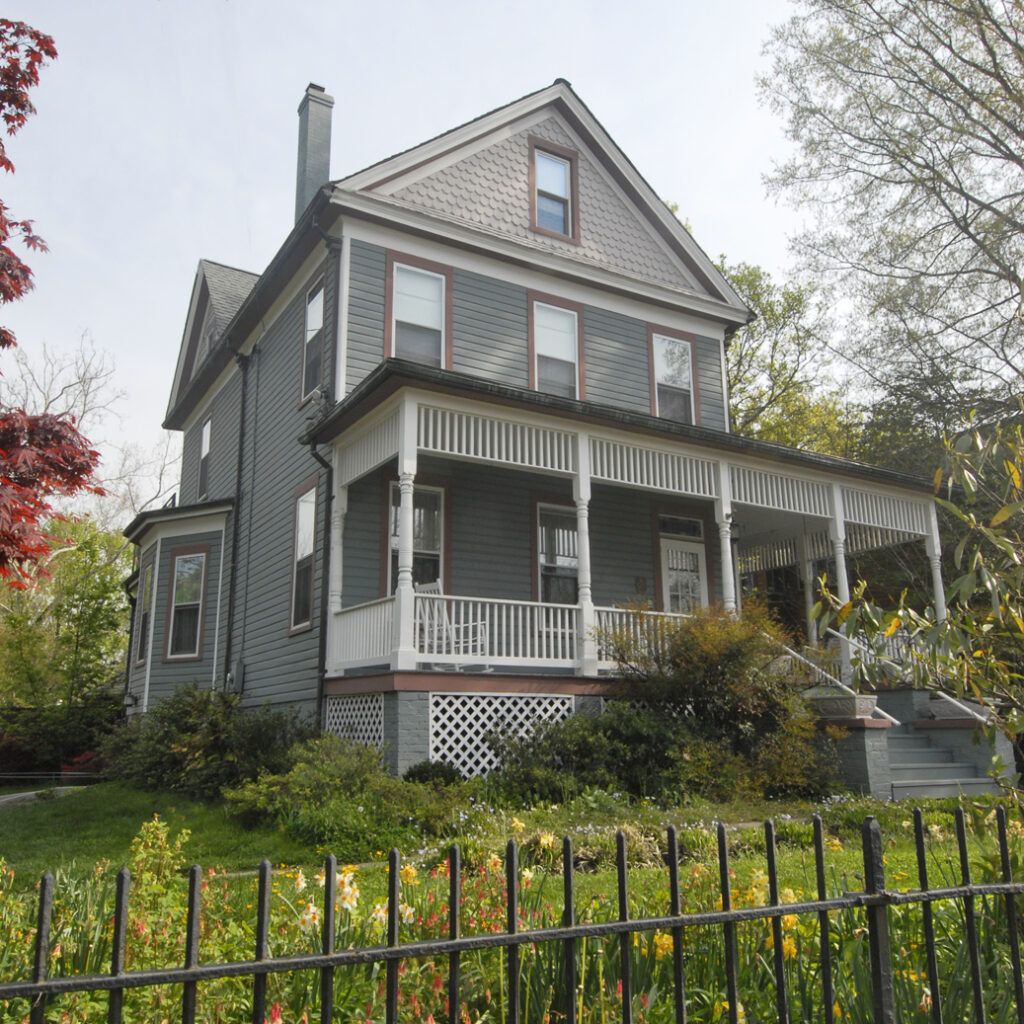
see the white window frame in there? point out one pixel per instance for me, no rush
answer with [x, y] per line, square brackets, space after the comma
[541, 304]
[204, 459]
[392, 531]
[142, 625]
[305, 504]
[195, 653]
[442, 299]
[566, 201]
[314, 338]
[658, 338]
[570, 513]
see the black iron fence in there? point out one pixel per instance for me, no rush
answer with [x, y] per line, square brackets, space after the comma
[874, 900]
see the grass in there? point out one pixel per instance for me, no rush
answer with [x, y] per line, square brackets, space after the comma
[99, 822]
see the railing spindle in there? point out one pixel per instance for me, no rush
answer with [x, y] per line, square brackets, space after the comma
[115, 1004]
[188, 990]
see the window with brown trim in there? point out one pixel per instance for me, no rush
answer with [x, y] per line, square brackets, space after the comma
[145, 614]
[557, 555]
[419, 311]
[555, 348]
[188, 587]
[554, 189]
[427, 535]
[673, 395]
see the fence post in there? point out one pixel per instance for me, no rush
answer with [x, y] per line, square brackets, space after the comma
[878, 925]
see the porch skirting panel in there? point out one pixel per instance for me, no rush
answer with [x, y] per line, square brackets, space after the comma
[461, 722]
[359, 718]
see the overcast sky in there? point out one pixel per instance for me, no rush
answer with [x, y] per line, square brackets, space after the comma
[166, 131]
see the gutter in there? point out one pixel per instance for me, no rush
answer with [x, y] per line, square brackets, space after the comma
[321, 657]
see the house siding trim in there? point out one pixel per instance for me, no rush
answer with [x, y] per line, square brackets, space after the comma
[465, 682]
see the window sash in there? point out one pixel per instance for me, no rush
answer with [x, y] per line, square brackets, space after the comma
[186, 605]
[557, 555]
[418, 315]
[204, 460]
[312, 351]
[673, 374]
[556, 349]
[302, 566]
[553, 179]
[145, 609]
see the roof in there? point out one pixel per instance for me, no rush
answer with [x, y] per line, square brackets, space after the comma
[141, 523]
[394, 374]
[229, 287]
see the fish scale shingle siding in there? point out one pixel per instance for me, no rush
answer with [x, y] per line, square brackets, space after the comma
[490, 189]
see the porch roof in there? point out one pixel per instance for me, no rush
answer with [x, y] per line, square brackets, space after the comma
[393, 374]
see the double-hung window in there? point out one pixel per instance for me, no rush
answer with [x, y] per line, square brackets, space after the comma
[188, 584]
[553, 190]
[427, 535]
[204, 460]
[145, 613]
[672, 370]
[302, 562]
[555, 350]
[557, 555]
[418, 315]
[313, 346]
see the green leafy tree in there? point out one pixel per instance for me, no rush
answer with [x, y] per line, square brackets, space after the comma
[64, 637]
[908, 124]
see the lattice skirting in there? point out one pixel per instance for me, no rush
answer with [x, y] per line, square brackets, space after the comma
[359, 718]
[460, 723]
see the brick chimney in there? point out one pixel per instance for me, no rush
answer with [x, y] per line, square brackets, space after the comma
[314, 167]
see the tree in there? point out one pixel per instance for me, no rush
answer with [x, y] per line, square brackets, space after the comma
[908, 120]
[43, 455]
[775, 366]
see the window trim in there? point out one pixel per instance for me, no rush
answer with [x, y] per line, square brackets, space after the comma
[571, 157]
[428, 483]
[654, 330]
[175, 554]
[319, 282]
[561, 503]
[142, 623]
[311, 483]
[658, 510]
[205, 438]
[532, 298]
[393, 259]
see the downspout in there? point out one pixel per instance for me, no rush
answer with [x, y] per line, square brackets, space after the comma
[321, 657]
[243, 365]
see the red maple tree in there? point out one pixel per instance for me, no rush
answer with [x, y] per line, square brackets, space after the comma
[40, 456]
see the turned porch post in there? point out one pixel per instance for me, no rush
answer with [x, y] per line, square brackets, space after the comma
[403, 655]
[837, 533]
[723, 515]
[586, 663]
[338, 513]
[933, 547]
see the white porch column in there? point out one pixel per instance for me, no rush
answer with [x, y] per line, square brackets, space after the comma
[403, 655]
[587, 662]
[338, 513]
[806, 564]
[933, 547]
[837, 534]
[723, 515]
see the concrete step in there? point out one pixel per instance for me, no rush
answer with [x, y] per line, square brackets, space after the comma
[924, 754]
[915, 789]
[950, 770]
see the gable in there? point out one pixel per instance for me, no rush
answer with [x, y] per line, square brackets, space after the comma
[489, 188]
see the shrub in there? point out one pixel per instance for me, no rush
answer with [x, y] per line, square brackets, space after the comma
[338, 794]
[196, 742]
[434, 773]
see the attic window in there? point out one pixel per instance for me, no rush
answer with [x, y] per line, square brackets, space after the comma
[553, 190]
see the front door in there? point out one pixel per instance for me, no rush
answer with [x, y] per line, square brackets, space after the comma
[684, 577]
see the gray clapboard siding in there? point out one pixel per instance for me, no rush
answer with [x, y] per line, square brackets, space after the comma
[365, 526]
[167, 676]
[365, 311]
[223, 414]
[616, 360]
[709, 383]
[489, 334]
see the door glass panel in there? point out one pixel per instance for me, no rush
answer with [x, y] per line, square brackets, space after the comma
[685, 582]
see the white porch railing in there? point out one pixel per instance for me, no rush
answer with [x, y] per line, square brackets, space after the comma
[632, 621]
[362, 635]
[485, 631]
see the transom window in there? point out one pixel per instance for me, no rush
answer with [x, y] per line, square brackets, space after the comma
[302, 570]
[681, 526]
[418, 311]
[673, 378]
[186, 605]
[427, 535]
[204, 460]
[556, 348]
[313, 348]
[557, 555]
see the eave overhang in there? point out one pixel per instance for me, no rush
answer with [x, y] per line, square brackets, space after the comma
[136, 530]
[394, 374]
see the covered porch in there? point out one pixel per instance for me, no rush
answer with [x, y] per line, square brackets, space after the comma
[716, 506]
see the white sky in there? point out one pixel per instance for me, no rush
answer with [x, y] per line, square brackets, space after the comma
[166, 131]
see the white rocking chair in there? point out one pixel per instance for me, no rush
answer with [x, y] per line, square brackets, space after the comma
[437, 635]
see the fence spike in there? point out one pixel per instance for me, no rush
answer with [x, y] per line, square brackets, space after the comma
[327, 938]
[971, 924]
[878, 925]
[729, 928]
[927, 921]
[827, 994]
[259, 981]
[188, 991]
[779, 957]
[391, 976]
[42, 953]
[675, 908]
[454, 931]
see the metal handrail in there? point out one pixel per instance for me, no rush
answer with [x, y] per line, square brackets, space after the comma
[900, 668]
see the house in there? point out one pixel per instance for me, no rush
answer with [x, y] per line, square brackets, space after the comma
[475, 406]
